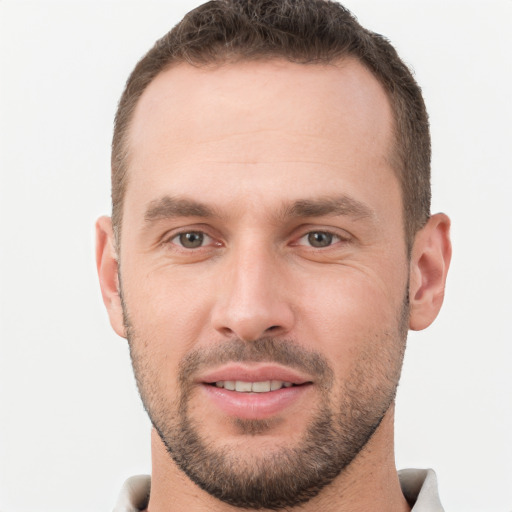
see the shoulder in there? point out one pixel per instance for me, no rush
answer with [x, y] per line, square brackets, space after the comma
[134, 495]
[419, 487]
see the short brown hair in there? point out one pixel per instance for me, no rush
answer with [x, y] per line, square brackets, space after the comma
[302, 31]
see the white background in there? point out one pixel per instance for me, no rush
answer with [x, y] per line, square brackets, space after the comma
[71, 423]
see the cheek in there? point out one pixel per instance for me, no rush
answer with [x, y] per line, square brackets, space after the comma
[167, 312]
[353, 300]
[351, 315]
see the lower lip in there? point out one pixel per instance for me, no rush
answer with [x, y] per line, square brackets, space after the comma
[255, 406]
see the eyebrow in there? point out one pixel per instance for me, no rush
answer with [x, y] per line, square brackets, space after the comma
[171, 207]
[331, 205]
[168, 207]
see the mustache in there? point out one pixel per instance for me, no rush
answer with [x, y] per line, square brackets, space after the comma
[269, 350]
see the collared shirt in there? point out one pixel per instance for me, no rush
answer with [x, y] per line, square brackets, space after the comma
[418, 485]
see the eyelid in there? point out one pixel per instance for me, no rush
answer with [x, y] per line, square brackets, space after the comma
[205, 243]
[169, 236]
[335, 239]
[340, 234]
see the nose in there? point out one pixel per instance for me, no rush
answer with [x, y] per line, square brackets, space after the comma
[253, 299]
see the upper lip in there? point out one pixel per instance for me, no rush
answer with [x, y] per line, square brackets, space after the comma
[253, 373]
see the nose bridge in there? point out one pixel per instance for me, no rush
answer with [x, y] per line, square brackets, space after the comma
[253, 302]
[253, 275]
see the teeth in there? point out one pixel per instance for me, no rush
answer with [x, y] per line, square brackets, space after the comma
[253, 387]
[244, 387]
[229, 384]
[260, 387]
[275, 384]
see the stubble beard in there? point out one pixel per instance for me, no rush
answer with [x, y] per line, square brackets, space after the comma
[285, 476]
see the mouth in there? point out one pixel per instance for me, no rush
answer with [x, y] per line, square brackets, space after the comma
[254, 392]
[241, 386]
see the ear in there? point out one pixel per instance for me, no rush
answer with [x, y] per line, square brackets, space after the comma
[430, 259]
[107, 265]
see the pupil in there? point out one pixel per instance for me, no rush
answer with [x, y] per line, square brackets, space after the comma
[320, 239]
[191, 240]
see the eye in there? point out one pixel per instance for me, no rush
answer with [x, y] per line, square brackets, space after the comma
[191, 239]
[319, 239]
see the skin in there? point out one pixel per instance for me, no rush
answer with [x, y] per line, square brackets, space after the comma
[248, 140]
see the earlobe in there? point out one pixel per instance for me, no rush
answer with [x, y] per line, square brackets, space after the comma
[430, 259]
[107, 266]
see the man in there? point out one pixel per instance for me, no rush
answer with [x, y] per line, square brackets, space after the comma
[270, 245]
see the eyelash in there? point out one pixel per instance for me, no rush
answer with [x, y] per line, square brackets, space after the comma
[330, 234]
[333, 239]
[191, 232]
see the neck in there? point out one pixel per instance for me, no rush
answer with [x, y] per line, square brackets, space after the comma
[369, 483]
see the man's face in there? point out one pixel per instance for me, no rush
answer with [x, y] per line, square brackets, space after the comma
[262, 246]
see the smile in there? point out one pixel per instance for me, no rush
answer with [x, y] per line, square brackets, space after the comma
[254, 390]
[253, 387]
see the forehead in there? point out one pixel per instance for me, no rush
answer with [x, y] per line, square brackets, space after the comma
[260, 95]
[262, 123]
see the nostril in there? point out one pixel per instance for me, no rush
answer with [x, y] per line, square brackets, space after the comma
[226, 331]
